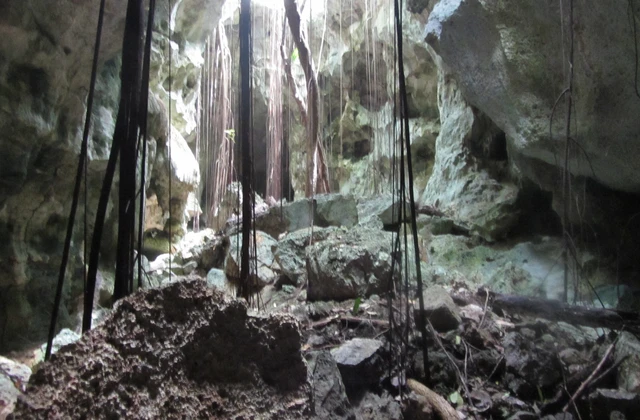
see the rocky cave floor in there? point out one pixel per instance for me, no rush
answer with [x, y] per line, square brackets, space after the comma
[319, 346]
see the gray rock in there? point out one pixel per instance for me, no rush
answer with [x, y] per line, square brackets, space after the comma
[164, 269]
[351, 264]
[532, 268]
[441, 225]
[323, 210]
[290, 252]
[628, 374]
[487, 46]
[532, 365]
[189, 267]
[378, 407]
[603, 402]
[286, 218]
[359, 361]
[559, 416]
[268, 267]
[218, 280]
[204, 247]
[14, 377]
[64, 338]
[336, 210]
[382, 207]
[439, 309]
[523, 415]
[327, 390]
[213, 252]
[574, 336]
[372, 222]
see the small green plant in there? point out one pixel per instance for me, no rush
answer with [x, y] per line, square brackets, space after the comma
[356, 306]
[294, 55]
[230, 134]
[455, 398]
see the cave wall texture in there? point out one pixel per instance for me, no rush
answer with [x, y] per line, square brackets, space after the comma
[45, 62]
[482, 75]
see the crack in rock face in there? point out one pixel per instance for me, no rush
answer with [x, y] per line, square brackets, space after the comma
[182, 351]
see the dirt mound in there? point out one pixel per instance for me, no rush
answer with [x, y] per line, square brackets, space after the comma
[182, 351]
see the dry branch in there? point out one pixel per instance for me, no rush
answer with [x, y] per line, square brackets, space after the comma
[350, 320]
[441, 406]
[555, 310]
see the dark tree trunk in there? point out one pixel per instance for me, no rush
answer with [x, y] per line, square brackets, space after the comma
[244, 289]
[311, 116]
[124, 140]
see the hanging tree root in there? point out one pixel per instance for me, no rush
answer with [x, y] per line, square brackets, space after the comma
[317, 170]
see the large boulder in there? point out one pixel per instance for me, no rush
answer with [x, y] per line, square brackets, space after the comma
[206, 248]
[268, 268]
[360, 362]
[182, 350]
[349, 264]
[382, 209]
[511, 60]
[322, 210]
[14, 377]
[290, 253]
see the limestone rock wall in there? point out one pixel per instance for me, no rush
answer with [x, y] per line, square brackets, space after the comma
[468, 182]
[44, 56]
[45, 62]
[510, 61]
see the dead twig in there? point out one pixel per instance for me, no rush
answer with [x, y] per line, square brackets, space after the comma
[358, 320]
[609, 370]
[586, 383]
[495, 368]
[350, 320]
[324, 322]
[463, 383]
[484, 312]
